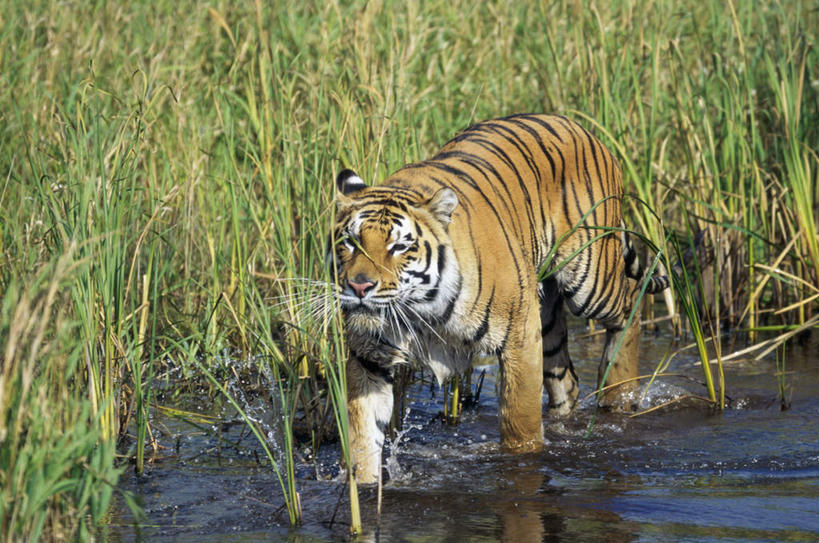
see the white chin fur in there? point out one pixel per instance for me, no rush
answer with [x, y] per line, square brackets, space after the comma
[364, 321]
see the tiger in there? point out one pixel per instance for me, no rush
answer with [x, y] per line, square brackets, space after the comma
[441, 262]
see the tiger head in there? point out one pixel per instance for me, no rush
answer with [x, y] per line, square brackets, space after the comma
[391, 255]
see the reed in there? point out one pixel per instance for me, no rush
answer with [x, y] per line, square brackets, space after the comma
[787, 80]
[782, 379]
[334, 369]
[57, 473]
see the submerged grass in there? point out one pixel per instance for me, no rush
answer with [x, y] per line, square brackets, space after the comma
[166, 169]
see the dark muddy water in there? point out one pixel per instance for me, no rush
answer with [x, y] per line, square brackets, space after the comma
[681, 473]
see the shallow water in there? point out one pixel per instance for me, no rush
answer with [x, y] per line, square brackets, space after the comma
[681, 473]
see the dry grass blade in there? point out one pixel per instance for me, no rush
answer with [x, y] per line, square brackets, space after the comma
[788, 275]
[768, 345]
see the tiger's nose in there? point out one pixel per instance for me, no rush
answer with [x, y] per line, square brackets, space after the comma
[361, 285]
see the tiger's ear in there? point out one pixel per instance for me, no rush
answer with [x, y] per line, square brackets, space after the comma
[348, 182]
[442, 204]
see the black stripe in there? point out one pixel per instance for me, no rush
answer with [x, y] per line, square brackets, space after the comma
[388, 201]
[483, 166]
[428, 248]
[555, 350]
[441, 260]
[514, 138]
[461, 175]
[538, 119]
[583, 174]
[473, 160]
[597, 275]
[512, 311]
[433, 293]
[484, 327]
[497, 151]
[447, 314]
[376, 370]
[490, 146]
[573, 182]
[420, 275]
[536, 136]
[548, 374]
[611, 288]
[423, 275]
[388, 190]
[404, 186]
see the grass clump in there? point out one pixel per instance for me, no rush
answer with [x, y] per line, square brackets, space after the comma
[56, 469]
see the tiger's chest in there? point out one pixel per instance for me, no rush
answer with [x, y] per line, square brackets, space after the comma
[438, 351]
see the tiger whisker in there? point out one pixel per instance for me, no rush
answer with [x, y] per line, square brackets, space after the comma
[424, 322]
[313, 285]
[321, 310]
[393, 320]
[318, 307]
[400, 325]
[399, 309]
[411, 337]
[298, 303]
[302, 280]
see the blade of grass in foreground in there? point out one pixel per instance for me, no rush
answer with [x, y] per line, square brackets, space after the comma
[335, 367]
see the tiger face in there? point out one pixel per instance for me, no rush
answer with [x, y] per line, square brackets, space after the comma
[391, 255]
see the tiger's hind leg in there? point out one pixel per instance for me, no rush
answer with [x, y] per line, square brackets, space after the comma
[595, 286]
[622, 365]
[559, 377]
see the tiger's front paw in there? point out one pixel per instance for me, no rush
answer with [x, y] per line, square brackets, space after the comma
[366, 465]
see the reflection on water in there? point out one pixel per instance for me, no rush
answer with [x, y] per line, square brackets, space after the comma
[680, 473]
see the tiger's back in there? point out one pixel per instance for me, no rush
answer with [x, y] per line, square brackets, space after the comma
[523, 182]
[441, 262]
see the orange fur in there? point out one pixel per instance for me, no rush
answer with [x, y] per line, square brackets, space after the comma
[440, 263]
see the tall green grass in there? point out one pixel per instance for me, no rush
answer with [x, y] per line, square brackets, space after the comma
[56, 469]
[169, 166]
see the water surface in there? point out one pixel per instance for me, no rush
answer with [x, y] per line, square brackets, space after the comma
[681, 473]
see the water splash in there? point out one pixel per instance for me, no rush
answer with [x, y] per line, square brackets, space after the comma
[268, 416]
[394, 469]
[658, 393]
